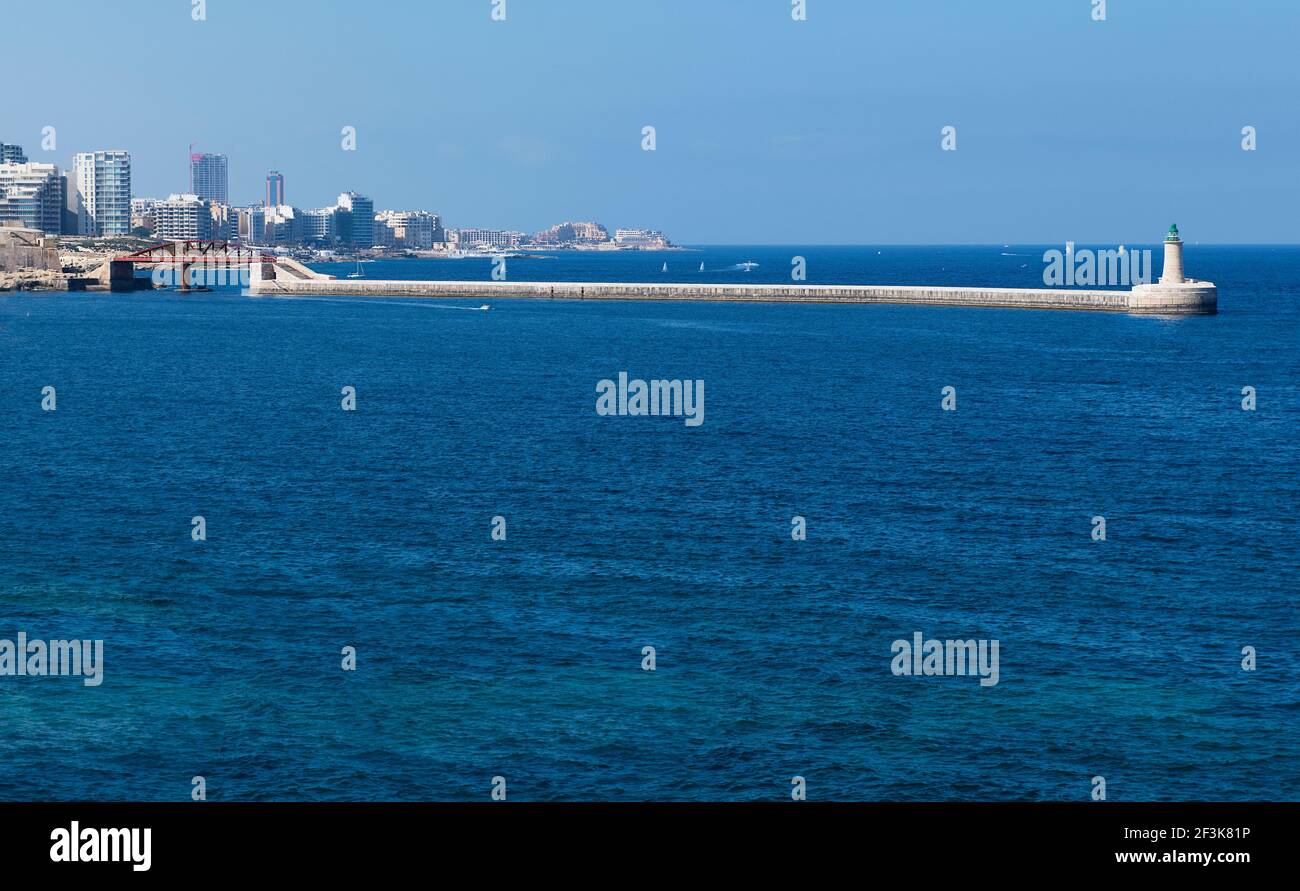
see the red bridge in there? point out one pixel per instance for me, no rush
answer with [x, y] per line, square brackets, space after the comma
[182, 256]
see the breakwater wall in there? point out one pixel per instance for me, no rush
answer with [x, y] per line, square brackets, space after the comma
[1180, 300]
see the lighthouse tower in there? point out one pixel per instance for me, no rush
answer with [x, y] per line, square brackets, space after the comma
[1175, 295]
[1172, 274]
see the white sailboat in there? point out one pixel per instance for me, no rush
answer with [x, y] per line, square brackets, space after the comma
[358, 273]
[701, 266]
[665, 269]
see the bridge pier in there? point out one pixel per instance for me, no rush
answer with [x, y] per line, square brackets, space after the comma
[121, 275]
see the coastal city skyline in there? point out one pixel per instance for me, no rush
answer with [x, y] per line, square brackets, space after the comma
[94, 197]
[818, 146]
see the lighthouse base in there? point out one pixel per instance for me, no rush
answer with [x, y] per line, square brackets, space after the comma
[1188, 298]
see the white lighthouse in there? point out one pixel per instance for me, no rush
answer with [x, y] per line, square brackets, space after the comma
[1172, 274]
[1175, 295]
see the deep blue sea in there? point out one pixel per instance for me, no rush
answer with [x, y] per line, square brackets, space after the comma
[522, 658]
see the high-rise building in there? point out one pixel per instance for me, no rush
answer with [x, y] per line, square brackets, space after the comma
[209, 177]
[31, 194]
[183, 217]
[358, 229]
[12, 154]
[71, 203]
[274, 189]
[104, 185]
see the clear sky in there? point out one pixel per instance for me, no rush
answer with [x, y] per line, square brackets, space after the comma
[768, 130]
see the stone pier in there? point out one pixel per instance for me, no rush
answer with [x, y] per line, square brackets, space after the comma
[1184, 297]
[1189, 298]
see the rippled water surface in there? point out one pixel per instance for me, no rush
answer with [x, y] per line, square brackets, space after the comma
[522, 657]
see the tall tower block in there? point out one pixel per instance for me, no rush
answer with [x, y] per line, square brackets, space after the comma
[1172, 274]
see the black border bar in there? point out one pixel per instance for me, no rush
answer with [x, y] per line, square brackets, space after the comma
[332, 840]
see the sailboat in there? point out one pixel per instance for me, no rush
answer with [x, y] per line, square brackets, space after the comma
[358, 273]
[665, 269]
[701, 266]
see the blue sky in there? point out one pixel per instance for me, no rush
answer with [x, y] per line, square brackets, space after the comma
[768, 130]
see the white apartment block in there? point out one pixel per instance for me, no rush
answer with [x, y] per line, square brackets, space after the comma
[184, 218]
[491, 237]
[407, 228]
[104, 186]
[32, 194]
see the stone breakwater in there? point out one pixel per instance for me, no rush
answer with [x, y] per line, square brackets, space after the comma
[1183, 299]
